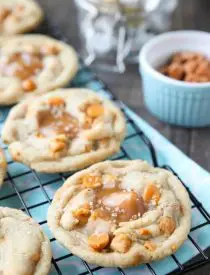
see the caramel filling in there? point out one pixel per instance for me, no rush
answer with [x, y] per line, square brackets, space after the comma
[22, 65]
[118, 205]
[52, 124]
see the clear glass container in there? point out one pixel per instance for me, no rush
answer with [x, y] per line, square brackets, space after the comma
[113, 31]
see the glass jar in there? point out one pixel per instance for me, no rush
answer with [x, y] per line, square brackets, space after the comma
[113, 31]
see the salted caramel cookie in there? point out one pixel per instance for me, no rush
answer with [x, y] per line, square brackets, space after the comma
[65, 130]
[19, 16]
[121, 213]
[24, 248]
[33, 64]
[3, 166]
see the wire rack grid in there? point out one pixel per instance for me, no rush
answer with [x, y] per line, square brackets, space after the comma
[33, 192]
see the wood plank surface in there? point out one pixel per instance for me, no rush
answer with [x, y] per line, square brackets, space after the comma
[190, 14]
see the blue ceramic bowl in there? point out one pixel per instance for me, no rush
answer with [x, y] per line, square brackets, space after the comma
[176, 102]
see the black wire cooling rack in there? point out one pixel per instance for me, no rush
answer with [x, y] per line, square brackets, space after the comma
[202, 256]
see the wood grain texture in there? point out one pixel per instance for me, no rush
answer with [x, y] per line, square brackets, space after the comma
[190, 14]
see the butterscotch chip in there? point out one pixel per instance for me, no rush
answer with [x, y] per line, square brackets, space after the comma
[121, 243]
[29, 85]
[190, 77]
[174, 247]
[57, 145]
[151, 246]
[61, 138]
[144, 232]
[95, 110]
[167, 225]
[98, 241]
[151, 192]
[175, 71]
[190, 67]
[82, 214]
[196, 78]
[56, 101]
[203, 68]
[89, 181]
[39, 135]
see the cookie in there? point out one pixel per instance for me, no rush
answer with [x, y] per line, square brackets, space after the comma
[63, 131]
[24, 248]
[19, 16]
[32, 65]
[3, 166]
[121, 213]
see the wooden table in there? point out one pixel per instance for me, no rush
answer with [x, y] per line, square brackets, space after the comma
[190, 14]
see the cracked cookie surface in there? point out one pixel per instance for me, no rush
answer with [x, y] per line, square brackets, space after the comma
[33, 64]
[121, 213]
[24, 248]
[19, 16]
[63, 131]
